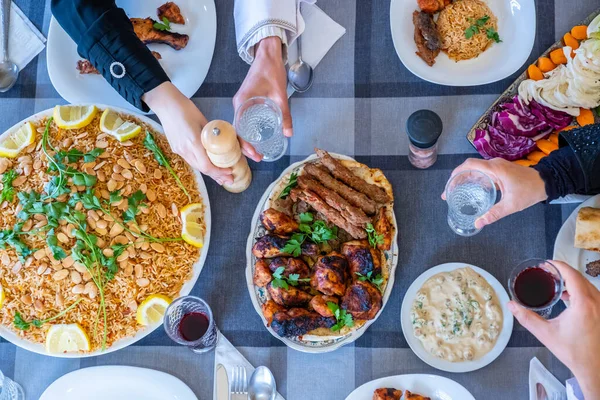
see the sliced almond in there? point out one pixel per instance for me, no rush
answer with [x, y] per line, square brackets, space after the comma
[139, 165]
[159, 248]
[60, 275]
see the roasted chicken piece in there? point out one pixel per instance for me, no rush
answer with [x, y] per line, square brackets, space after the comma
[147, 33]
[387, 394]
[278, 222]
[290, 297]
[362, 300]
[291, 265]
[330, 274]
[262, 273]
[85, 67]
[319, 304]
[432, 6]
[298, 321]
[362, 258]
[171, 12]
[411, 396]
[269, 309]
[427, 38]
[270, 246]
[384, 227]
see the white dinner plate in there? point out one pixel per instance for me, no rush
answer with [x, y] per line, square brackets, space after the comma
[117, 383]
[466, 366]
[187, 287]
[564, 246]
[436, 387]
[187, 67]
[516, 26]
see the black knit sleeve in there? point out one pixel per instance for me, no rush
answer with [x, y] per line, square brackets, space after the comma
[585, 143]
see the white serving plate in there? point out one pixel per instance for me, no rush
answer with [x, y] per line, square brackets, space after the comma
[117, 383]
[415, 343]
[436, 387]
[185, 290]
[564, 246]
[516, 26]
[308, 343]
[187, 67]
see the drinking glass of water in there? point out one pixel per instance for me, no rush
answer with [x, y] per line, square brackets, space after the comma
[469, 194]
[9, 389]
[259, 121]
[189, 321]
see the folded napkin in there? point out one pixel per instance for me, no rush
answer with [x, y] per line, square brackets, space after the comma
[573, 390]
[24, 40]
[229, 357]
[571, 198]
[538, 373]
[320, 34]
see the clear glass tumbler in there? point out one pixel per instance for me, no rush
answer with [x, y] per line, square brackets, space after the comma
[189, 321]
[9, 389]
[537, 285]
[469, 195]
[259, 121]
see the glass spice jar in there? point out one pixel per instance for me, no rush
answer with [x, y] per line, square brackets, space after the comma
[423, 128]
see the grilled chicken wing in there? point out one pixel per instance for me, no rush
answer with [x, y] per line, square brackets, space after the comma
[362, 300]
[290, 297]
[291, 265]
[270, 246]
[432, 6]
[269, 309]
[330, 274]
[171, 12]
[298, 321]
[411, 396]
[278, 222]
[319, 304]
[387, 394]
[384, 227]
[362, 258]
[262, 273]
[147, 33]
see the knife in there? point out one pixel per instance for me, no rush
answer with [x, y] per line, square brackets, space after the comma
[221, 383]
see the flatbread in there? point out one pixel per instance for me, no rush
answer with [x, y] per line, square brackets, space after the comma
[587, 229]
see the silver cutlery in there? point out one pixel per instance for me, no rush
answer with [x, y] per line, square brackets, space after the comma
[262, 385]
[300, 74]
[221, 383]
[9, 72]
[239, 385]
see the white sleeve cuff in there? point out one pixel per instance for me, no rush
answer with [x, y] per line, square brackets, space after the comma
[262, 31]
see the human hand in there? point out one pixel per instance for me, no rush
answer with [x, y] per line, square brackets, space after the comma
[183, 123]
[267, 77]
[574, 336]
[521, 187]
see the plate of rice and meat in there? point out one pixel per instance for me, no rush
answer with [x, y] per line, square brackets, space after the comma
[463, 42]
[322, 252]
[101, 226]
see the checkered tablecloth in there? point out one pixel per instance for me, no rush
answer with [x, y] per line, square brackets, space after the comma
[358, 106]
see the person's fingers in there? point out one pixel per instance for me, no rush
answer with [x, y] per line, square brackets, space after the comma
[469, 163]
[221, 175]
[538, 326]
[249, 151]
[497, 212]
[565, 296]
[288, 129]
[574, 280]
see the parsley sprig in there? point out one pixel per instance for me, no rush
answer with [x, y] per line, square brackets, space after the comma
[317, 231]
[476, 27]
[8, 192]
[10, 237]
[23, 325]
[374, 238]
[164, 26]
[292, 183]
[342, 317]
[162, 160]
[280, 281]
[375, 280]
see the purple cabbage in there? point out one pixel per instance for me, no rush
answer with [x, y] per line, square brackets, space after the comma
[494, 143]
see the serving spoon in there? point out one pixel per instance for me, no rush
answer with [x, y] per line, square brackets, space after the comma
[262, 385]
[9, 71]
[300, 74]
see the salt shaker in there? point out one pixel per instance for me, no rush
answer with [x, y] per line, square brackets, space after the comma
[423, 128]
[223, 148]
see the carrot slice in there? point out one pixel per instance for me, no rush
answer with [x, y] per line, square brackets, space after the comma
[558, 56]
[586, 117]
[570, 41]
[535, 73]
[546, 146]
[525, 163]
[536, 156]
[554, 138]
[545, 64]
[579, 32]
[567, 128]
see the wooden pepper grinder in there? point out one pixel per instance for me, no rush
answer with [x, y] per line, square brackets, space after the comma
[223, 148]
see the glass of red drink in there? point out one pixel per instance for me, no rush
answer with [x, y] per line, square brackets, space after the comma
[189, 321]
[536, 284]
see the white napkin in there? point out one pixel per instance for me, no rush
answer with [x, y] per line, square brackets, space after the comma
[229, 357]
[573, 390]
[571, 198]
[539, 373]
[320, 34]
[24, 40]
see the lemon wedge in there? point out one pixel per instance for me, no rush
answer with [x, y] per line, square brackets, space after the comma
[67, 338]
[12, 143]
[1, 296]
[74, 117]
[193, 228]
[152, 309]
[114, 125]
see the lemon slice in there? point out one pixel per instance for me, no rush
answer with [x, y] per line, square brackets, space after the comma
[152, 309]
[67, 338]
[74, 117]
[193, 228]
[114, 125]
[12, 143]
[1, 296]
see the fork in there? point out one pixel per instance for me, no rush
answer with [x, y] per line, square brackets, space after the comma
[239, 385]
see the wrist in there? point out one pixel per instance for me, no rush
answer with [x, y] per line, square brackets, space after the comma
[162, 97]
[269, 48]
[538, 185]
[589, 382]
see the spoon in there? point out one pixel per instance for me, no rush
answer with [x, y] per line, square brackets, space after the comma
[9, 72]
[300, 74]
[262, 385]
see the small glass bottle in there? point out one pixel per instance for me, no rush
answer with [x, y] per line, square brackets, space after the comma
[423, 128]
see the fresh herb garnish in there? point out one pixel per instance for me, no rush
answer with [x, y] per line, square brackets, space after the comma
[374, 238]
[164, 26]
[162, 160]
[342, 317]
[134, 202]
[317, 232]
[294, 245]
[8, 192]
[477, 25]
[52, 241]
[492, 34]
[115, 197]
[23, 325]
[375, 280]
[74, 155]
[11, 238]
[292, 183]
[280, 281]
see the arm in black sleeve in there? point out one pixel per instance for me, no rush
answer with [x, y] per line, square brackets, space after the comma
[574, 168]
[104, 35]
